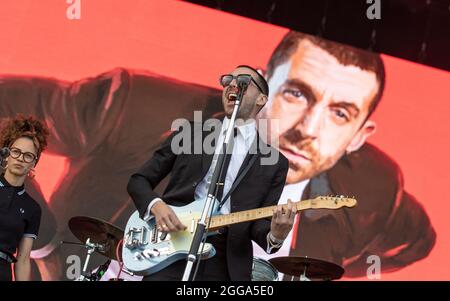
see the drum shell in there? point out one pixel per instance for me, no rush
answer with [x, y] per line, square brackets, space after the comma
[263, 270]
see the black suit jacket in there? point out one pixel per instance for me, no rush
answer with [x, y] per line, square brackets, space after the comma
[388, 222]
[260, 187]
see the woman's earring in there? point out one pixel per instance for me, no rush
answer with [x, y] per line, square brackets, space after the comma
[32, 173]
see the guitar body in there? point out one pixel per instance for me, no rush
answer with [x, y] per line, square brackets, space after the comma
[145, 253]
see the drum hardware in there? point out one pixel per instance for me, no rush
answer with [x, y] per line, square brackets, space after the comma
[91, 248]
[99, 236]
[101, 270]
[307, 268]
[99, 232]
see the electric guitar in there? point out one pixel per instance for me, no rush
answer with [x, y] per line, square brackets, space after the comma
[146, 250]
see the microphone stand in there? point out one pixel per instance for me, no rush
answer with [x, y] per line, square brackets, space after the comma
[212, 190]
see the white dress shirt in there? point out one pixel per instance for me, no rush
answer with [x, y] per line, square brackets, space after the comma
[246, 134]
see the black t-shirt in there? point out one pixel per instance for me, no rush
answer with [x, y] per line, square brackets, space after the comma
[20, 216]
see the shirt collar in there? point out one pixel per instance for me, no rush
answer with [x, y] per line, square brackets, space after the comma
[4, 183]
[247, 129]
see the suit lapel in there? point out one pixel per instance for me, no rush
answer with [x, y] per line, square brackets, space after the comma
[250, 158]
[250, 154]
[206, 163]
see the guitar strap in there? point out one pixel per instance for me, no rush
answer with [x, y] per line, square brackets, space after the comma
[238, 180]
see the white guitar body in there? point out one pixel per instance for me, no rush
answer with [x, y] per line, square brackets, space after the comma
[145, 253]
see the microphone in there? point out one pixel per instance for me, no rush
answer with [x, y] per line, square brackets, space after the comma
[4, 152]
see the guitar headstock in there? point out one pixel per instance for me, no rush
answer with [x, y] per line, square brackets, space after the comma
[333, 202]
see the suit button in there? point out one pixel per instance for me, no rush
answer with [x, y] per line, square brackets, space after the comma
[194, 184]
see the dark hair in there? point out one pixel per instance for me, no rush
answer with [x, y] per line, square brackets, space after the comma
[261, 80]
[346, 55]
[29, 127]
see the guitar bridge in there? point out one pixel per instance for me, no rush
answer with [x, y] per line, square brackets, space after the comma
[152, 253]
[135, 238]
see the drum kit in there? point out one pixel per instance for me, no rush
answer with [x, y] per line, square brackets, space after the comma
[102, 237]
[97, 236]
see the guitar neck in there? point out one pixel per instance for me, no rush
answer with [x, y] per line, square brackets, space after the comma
[220, 221]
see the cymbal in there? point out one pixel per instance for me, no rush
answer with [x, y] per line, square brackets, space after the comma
[98, 231]
[310, 267]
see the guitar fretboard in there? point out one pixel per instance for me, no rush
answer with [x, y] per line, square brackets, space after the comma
[220, 221]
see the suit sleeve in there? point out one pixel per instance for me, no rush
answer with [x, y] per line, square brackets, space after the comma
[388, 222]
[407, 238]
[142, 183]
[260, 228]
[80, 115]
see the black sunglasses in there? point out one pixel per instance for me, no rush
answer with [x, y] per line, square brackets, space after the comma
[226, 79]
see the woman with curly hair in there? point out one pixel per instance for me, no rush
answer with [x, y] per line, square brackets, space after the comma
[20, 215]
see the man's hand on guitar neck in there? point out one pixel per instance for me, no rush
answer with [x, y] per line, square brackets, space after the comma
[282, 221]
[166, 219]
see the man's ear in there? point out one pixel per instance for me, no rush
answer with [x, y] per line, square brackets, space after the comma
[262, 100]
[367, 130]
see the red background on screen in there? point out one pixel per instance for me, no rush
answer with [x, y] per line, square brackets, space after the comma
[196, 44]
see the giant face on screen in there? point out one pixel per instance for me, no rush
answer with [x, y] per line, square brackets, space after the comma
[322, 95]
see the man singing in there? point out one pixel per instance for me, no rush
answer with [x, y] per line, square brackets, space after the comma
[260, 186]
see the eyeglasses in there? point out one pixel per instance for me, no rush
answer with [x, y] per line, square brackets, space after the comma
[226, 79]
[28, 157]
